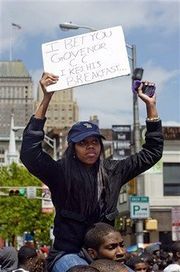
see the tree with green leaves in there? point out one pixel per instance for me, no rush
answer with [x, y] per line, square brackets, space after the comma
[19, 214]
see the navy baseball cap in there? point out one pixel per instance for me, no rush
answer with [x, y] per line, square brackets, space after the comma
[81, 130]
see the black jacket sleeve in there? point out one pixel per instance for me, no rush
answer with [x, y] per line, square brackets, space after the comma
[38, 162]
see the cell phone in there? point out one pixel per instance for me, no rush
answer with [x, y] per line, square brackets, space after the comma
[137, 77]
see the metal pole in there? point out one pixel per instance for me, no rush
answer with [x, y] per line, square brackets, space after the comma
[136, 142]
[11, 41]
[135, 108]
[54, 149]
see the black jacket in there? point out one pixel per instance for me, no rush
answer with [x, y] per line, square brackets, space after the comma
[71, 222]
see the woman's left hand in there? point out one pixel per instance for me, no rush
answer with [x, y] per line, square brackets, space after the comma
[147, 99]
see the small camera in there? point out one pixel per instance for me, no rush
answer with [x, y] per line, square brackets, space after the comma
[137, 77]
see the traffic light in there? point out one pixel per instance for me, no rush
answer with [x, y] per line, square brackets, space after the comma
[17, 192]
[120, 223]
[124, 224]
[132, 187]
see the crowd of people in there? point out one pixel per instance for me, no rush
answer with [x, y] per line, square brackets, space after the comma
[103, 251]
[26, 259]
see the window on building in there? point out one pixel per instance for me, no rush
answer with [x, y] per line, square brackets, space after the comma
[171, 178]
[2, 151]
[165, 237]
[2, 160]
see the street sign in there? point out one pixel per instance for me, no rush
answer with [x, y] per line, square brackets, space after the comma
[31, 192]
[175, 214]
[121, 141]
[139, 207]
[47, 205]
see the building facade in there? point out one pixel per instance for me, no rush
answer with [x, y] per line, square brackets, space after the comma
[161, 184]
[16, 95]
[63, 110]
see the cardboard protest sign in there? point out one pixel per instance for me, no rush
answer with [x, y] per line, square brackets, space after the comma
[86, 58]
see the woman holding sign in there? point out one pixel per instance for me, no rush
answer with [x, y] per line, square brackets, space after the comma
[84, 186]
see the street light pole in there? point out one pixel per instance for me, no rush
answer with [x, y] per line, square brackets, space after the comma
[67, 26]
[136, 142]
[136, 123]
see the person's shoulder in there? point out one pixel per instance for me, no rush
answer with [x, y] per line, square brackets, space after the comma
[20, 270]
[172, 268]
[129, 269]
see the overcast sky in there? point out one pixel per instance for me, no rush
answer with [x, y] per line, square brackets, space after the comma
[153, 26]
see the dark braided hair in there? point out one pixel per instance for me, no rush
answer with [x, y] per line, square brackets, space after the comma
[76, 175]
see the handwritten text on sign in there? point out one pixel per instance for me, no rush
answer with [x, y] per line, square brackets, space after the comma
[86, 58]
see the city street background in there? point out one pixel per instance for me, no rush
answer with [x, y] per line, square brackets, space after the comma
[153, 26]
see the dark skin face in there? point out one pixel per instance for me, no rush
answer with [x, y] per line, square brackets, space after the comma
[112, 248]
[88, 150]
[141, 267]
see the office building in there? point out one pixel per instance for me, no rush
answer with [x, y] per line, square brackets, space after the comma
[16, 95]
[62, 111]
[161, 184]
